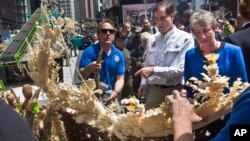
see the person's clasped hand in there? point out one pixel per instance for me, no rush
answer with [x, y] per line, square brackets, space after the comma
[181, 107]
[95, 67]
[113, 96]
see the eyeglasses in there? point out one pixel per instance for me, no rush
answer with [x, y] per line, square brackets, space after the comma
[205, 31]
[111, 31]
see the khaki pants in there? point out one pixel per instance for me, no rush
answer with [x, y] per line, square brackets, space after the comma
[156, 96]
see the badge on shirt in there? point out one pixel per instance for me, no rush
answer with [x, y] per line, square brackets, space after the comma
[117, 59]
[154, 44]
[176, 46]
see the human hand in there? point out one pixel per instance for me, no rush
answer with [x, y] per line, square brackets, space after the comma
[113, 96]
[141, 90]
[182, 109]
[145, 72]
[95, 67]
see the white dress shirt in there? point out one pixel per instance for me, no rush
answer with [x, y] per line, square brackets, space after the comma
[166, 53]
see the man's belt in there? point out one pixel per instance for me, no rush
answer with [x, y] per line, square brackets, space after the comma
[165, 86]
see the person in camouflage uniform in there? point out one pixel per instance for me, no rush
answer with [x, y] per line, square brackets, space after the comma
[128, 81]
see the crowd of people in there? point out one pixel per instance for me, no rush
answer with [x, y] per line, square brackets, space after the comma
[158, 58]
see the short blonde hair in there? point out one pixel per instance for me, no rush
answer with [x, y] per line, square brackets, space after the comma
[203, 18]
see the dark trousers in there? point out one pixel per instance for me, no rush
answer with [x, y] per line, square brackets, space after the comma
[127, 88]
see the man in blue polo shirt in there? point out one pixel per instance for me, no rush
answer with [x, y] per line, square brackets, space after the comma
[112, 66]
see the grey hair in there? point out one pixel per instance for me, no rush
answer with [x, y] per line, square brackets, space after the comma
[145, 36]
[203, 18]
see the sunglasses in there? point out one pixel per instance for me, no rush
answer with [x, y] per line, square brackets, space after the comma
[111, 31]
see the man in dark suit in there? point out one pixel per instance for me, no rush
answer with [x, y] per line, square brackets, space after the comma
[241, 37]
[132, 41]
[12, 126]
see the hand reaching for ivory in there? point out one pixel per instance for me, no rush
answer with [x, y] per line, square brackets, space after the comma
[182, 109]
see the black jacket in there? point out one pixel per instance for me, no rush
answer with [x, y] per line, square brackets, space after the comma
[12, 126]
[242, 38]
